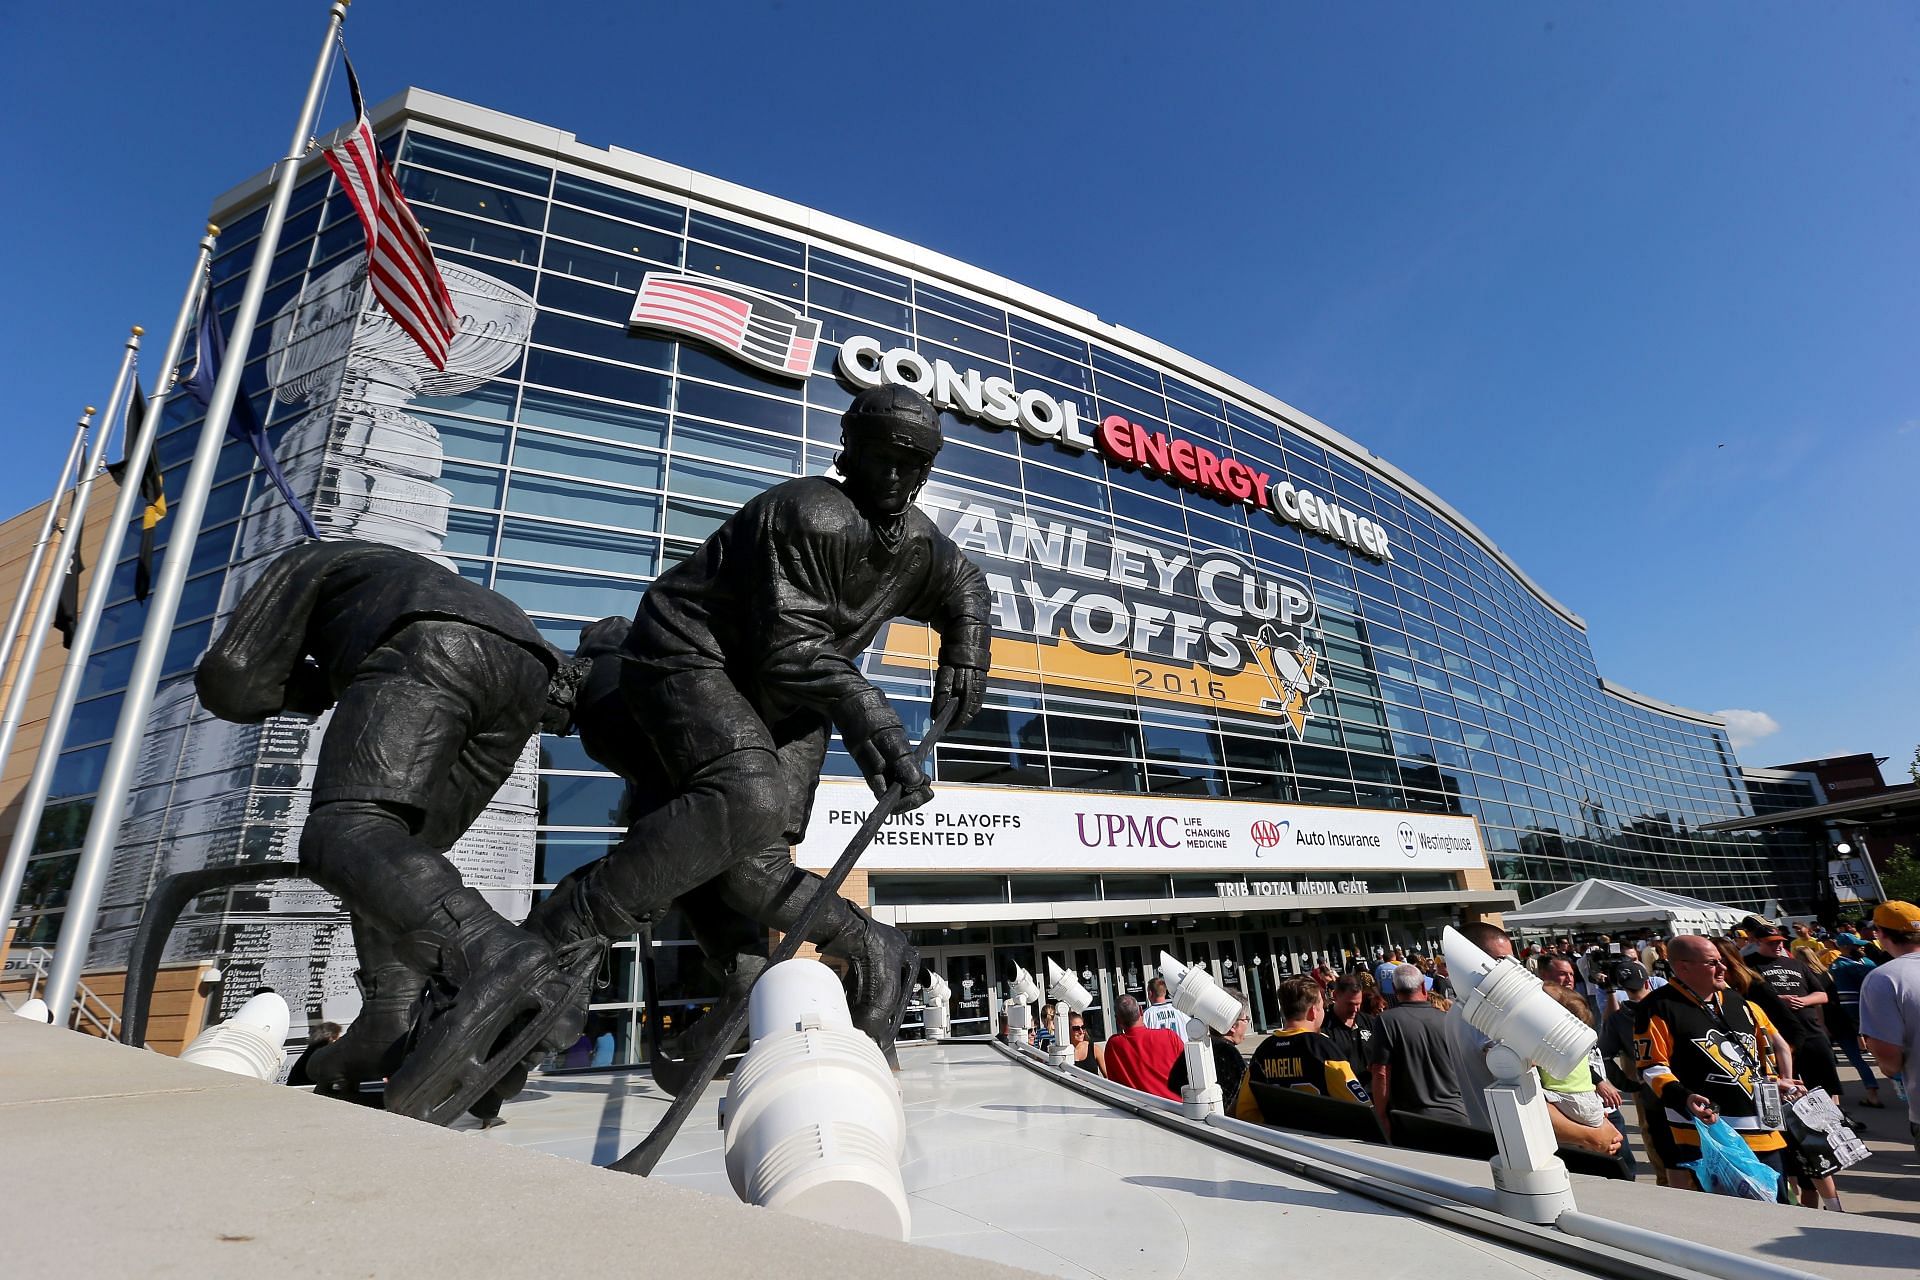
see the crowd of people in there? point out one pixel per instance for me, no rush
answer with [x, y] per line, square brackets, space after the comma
[1691, 1030]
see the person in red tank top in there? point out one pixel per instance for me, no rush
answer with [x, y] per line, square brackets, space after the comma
[1139, 1056]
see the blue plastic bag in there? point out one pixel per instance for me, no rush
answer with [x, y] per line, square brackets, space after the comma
[1727, 1165]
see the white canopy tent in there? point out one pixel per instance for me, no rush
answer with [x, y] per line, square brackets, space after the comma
[1596, 904]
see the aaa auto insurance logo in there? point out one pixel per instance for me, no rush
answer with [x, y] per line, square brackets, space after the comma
[755, 327]
[1268, 835]
[1085, 607]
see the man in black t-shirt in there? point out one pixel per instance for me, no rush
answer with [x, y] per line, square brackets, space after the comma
[1806, 993]
[1417, 1073]
[1355, 1035]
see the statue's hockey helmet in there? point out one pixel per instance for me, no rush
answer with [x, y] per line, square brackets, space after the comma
[898, 415]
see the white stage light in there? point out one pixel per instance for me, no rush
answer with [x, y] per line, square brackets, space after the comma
[1022, 993]
[253, 1042]
[1528, 1029]
[936, 1015]
[1206, 1004]
[1069, 997]
[814, 1123]
[35, 1010]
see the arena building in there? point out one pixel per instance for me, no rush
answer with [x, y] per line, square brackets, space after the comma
[1258, 698]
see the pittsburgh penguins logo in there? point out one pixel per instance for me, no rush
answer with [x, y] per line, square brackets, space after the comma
[1733, 1055]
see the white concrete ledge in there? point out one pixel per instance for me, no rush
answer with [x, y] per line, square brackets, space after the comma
[121, 1162]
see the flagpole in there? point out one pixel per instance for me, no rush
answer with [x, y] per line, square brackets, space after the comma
[33, 801]
[109, 806]
[32, 575]
[64, 551]
[23, 675]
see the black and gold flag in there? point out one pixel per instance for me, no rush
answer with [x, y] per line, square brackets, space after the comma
[152, 488]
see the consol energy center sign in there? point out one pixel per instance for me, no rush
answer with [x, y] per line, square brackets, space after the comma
[1083, 606]
[979, 828]
[1038, 415]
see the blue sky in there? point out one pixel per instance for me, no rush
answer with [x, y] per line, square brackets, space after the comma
[1631, 286]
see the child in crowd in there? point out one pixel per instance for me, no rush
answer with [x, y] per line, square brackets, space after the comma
[1575, 1094]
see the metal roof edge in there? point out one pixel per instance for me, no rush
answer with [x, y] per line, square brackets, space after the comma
[1625, 694]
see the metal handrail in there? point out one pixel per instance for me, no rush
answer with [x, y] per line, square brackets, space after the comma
[38, 960]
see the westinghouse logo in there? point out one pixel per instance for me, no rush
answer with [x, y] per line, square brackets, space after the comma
[1406, 840]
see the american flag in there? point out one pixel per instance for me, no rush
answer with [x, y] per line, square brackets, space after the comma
[400, 262]
[763, 331]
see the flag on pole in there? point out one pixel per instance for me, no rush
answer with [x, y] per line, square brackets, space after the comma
[152, 488]
[400, 262]
[242, 423]
[66, 609]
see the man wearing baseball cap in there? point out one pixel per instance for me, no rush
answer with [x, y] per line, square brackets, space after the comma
[1890, 999]
[1848, 969]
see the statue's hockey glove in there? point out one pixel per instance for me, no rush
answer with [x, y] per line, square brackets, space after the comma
[962, 679]
[881, 749]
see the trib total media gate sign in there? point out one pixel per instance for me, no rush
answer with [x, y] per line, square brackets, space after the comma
[1011, 828]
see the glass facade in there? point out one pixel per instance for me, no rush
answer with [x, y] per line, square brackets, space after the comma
[603, 456]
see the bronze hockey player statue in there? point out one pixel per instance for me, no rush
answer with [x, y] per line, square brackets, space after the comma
[435, 684]
[717, 702]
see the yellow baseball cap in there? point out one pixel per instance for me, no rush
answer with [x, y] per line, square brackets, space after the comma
[1897, 917]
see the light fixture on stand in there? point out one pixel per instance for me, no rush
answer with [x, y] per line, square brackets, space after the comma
[1070, 996]
[1206, 1004]
[1528, 1029]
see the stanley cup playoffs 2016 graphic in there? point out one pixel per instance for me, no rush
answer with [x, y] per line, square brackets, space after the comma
[1082, 606]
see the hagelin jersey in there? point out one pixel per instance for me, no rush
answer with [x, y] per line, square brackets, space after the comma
[1300, 1059]
[1685, 1047]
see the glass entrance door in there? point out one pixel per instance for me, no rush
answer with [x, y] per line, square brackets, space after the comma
[1138, 961]
[969, 977]
[1220, 952]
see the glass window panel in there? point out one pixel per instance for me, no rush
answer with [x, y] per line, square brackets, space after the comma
[607, 233]
[733, 445]
[572, 500]
[695, 520]
[569, 591]
[596, 264]
[464, 196]
[590, 417]
[729, 405]
[520, 278]
[470, 533]
[567, 294]
[744, 239]
[755, 274]
[615, 382]
[570, 457]
[423, 148]
[622, 204]
[694, 479]
[855, 302]
[475, 441]
[590, 337]
[471, 486]
[559, 544]
[1105, 737]
[568, 800]
[473, 236]
[710, 366]
[834, 266]
[489, 400]
[1075, 773]
[948, 303]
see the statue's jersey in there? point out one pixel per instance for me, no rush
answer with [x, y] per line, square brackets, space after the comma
[788, 592]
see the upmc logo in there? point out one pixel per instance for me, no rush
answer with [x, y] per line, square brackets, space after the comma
[1406, 839]
[1125, 831]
